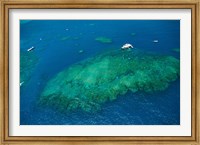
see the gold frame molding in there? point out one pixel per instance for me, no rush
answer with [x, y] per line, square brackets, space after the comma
[117, 4]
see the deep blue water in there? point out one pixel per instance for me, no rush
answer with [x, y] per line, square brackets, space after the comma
[55, 54]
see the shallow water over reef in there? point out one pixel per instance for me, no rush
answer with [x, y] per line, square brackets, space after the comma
[89, 83]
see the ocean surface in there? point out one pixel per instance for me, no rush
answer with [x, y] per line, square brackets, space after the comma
[58, 44]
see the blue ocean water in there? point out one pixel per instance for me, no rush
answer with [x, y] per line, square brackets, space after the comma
[57, 44]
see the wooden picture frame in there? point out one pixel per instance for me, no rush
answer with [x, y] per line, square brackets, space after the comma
[115, 4]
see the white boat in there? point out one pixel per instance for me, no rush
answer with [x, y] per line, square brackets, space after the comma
[21, 83]
[30, 49]
[155, 41]
[127, 46]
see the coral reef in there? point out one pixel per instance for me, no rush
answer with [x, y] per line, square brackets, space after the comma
[76, 38]
[176, 49]
[28, 61]
[133, 34]
[88, 84]
[103, 40]
[69, 38]
[65, 38]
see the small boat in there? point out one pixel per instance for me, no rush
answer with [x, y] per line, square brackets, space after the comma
[21, 83]
[127, 46]
[31, 49]
[155, 41]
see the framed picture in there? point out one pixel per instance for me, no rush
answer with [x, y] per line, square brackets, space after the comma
[105, 72]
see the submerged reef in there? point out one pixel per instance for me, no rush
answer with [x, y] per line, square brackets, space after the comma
[176, 49]
[69, 38]
[28, 61]
[65, 38]
[133, 34]
[103, 40]
[92, 82]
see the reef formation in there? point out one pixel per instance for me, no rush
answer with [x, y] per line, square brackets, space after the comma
[133, 34]
[103, 40]
[28, 62]
[176, 50]
[92, 82]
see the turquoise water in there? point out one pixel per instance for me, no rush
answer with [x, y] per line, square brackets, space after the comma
[58, 45]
